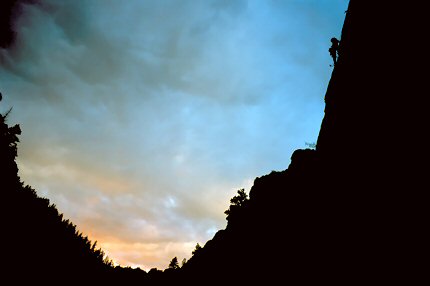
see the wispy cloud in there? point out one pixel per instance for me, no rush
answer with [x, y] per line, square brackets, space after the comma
[141, 120]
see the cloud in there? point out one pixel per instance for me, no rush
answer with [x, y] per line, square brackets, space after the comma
[141, 120]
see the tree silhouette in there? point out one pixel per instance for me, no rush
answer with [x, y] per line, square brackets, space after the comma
[196, 249]
[237, 202]
[174, 263]
[9, 178]
[184, 261]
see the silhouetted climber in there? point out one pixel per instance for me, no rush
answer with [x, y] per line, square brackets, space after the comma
[334, 49]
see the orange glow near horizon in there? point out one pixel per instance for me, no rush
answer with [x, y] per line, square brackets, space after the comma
[141, 130]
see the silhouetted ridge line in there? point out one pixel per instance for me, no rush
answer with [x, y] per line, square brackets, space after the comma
[346, 212]
[40, 246]
[349, 212]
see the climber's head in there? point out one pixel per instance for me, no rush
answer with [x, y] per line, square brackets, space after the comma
[334, 41]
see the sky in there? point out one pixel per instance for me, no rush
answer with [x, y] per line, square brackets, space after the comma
[141, 119]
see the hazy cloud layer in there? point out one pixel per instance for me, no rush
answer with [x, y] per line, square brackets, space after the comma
[142, 118]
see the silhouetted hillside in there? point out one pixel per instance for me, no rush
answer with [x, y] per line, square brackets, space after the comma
[352, 211]
[40, 246]
[349, 211]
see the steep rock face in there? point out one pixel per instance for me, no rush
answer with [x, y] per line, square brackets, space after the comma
[345, 212]
[374, 93]
[366, 150]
